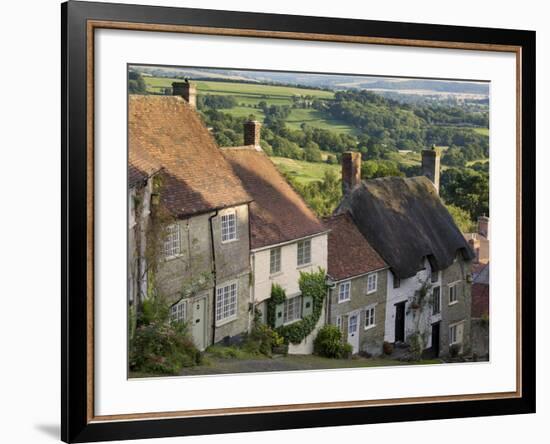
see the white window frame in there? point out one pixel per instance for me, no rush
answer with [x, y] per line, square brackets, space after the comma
[227, 296]
[454, 328]
[228, 232]
[453, 289]
[171, 246]
[178, 311]
[275, 258]
[370, 317]
[373, 276]
[344, 289]
[303, 244]
[296, 309]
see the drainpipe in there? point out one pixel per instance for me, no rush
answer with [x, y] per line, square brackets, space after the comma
[213, 275]
[252, 290]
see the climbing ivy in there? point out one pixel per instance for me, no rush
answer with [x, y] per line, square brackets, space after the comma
[311, 285]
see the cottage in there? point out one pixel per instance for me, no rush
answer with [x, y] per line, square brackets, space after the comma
[429, 284]
[188, 218]
[358, 290]
[286, 237]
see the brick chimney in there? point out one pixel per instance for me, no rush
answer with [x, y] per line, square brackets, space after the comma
[252, 131]
[187, 90]
[483, 226]
[351, 171]
[431, 160]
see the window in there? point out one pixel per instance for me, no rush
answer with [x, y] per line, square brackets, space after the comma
[292, 310]
[456, 332]
[172, 246]
[452, 334]
[275, 260]
[370, 317]
[372, 282]
[396, 282]
[344, 293]
[436, 308]
[229, 227]
[226, 302]
[178, 311]
[453, 294]
[304, 252]
[435, 276]
[339, 323]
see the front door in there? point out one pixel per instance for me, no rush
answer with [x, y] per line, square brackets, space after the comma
[400, 322]
[353, 330]
[435, 339]
[198, 327]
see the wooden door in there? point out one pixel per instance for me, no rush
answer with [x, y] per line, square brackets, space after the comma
[198, 326]
[400, 322]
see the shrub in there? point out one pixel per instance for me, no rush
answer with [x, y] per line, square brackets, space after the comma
[454, 350]
[161, 347]
[329, 343]
[415, 346]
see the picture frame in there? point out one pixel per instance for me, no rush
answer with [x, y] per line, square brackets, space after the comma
[80, 20]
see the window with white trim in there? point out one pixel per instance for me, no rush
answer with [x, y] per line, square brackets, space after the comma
[370, 317]
[453, 334]
[453, 294]
[372, 282]
[229, 227]
[292, 309]
[436, 295]
[304, 252]
[172, 242]
[275, 260]
[226, 302]
[178, 311]
[344, 291]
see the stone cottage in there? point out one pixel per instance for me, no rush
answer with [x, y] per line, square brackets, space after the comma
[358, 286]
[429, 283]
[189, 219]
[286, 237]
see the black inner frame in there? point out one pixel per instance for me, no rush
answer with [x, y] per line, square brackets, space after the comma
[74, 424]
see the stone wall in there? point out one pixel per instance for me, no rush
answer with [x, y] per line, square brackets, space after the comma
[371, 339]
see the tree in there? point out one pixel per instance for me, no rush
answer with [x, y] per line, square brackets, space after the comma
[461, 217]
[136, 84]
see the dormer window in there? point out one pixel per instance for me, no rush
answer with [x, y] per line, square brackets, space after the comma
[229, 227]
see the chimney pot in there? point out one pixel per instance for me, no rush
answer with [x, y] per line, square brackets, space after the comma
[351, 171]
[252, 132]
[187, 90]
[431, 163]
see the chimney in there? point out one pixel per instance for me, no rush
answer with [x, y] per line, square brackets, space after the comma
[252, 132]
[431, 160]
[187, 90]
[351, 171]
[483, 226]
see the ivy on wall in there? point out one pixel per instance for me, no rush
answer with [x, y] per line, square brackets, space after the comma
[311, 285]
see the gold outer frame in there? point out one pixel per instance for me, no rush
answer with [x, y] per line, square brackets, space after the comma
[92, 25]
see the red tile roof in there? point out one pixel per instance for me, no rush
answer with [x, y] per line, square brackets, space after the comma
[277, 214]
[165, 133]
[349, 253]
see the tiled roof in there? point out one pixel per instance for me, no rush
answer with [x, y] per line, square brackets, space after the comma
[277, 214]
[166, 133]
[405, 221]
[349, 253]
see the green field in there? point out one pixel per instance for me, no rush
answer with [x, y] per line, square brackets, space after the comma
[482, 131]
[249, 95]
[302, 171]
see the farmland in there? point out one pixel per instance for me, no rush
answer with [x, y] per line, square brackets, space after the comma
[304, 172]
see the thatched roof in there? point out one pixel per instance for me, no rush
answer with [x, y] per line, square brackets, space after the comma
[405, 221]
